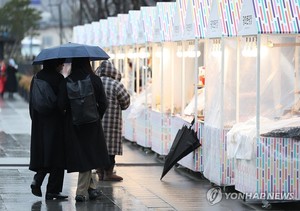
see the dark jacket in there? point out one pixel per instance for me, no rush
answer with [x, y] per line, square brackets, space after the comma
[47, 145]
[11, 83]
[86, 147]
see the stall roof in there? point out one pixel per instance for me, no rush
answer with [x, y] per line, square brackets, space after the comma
[104, 33]
[75, 34]
[224, 18]
[148, 17]
[166, 12]
[79, 34]
[122, 28]
[189, 26]
[135, 27]
[88, 30]
[202, 13]
[157, 37]
[181, 6]
[178, 24]
[113, 31]
[129, 37]
[270, 17]
[196, 19]
[96, 33]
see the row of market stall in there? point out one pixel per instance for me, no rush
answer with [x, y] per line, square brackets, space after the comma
[233, 65]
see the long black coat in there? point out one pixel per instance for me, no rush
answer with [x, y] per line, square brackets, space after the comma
[85, 144]
[11, 83]
[47, 143]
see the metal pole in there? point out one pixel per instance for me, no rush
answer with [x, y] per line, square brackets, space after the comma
[60, 23]
[196, 82]
[222, 82]
[258, 88]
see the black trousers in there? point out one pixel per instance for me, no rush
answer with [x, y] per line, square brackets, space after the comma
[112, 162]
[55, 180]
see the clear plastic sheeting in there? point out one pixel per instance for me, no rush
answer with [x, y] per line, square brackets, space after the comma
[190, 109]
[138, 105]
[241, 139]
[220, 109]
[213, 86]
[278, 96]
[279, 76]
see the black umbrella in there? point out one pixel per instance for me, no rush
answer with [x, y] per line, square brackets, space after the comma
[71, 50]
[185, 142]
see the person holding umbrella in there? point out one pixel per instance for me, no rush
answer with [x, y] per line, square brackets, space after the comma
[47, 152]
[86, 146]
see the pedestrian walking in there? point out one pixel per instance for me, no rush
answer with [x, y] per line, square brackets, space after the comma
[118, 100]
[86, 146]
[47, 151]
[11, 83]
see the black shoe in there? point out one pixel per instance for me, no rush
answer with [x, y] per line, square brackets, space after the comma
[36, 189]
[51, 196]
[80, 198]
[94, 193]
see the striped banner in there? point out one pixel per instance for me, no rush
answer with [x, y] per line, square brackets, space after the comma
[201, 11]
[275, 169]
[230, 11]
[166, 11]
[279, 16]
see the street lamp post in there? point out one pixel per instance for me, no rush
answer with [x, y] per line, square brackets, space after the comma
[60, 24]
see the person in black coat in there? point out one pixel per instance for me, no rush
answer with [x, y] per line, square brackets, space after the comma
[47, 151]
[11, 82]
[85, 144]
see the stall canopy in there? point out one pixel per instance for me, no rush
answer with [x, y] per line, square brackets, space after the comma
[148, 18]
[270, 17]
[122, 29]
[88, 33]
[113, 31]
[104, 33]
[166, 12]
[196, 20]
[96, 33]
[179, 17]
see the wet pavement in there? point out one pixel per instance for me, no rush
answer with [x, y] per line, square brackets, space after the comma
[141, 169]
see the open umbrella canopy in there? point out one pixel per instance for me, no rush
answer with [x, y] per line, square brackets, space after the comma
[185, 142]
[71, 50]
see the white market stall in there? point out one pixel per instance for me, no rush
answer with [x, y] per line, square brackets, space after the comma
[142, 97]
[190, 52]
[130, 68]
[265, 141]
[163, 54]
[221, 67]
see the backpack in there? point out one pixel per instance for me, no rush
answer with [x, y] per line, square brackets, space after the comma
[82, 99]
[43, 98]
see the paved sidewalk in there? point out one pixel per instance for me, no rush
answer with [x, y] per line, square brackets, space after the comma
[140, 190]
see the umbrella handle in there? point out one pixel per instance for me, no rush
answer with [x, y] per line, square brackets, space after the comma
[193, 122]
